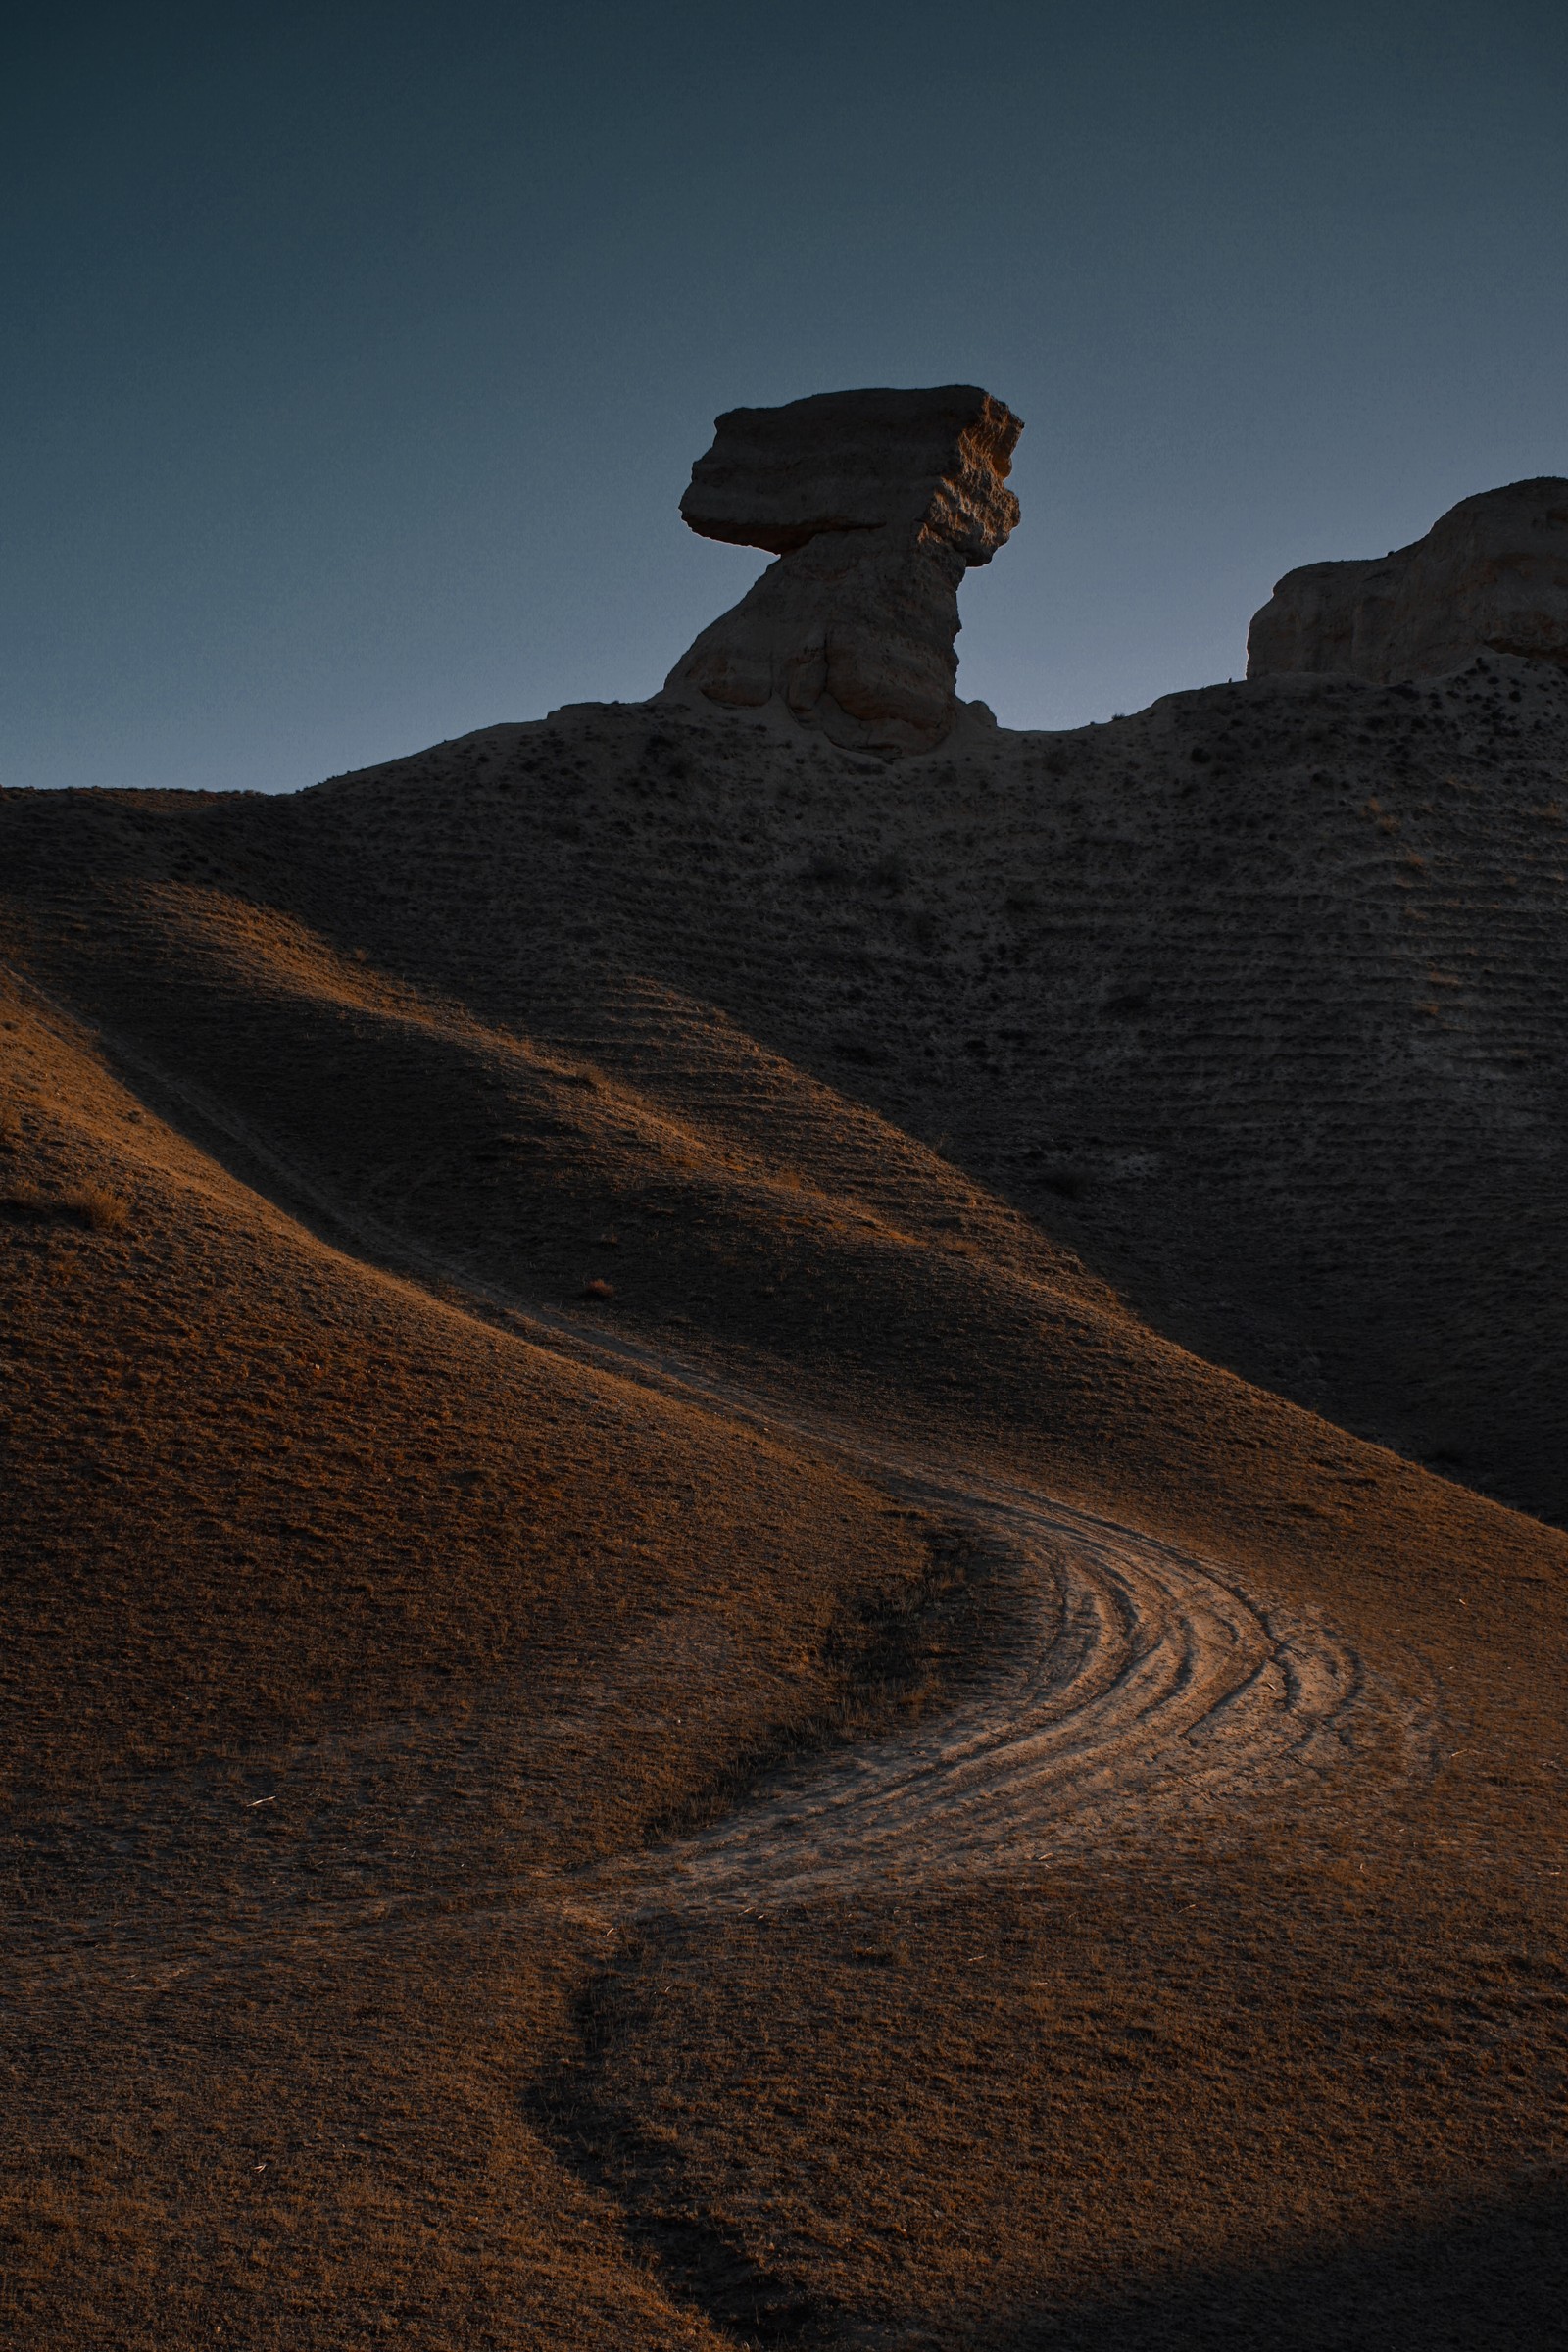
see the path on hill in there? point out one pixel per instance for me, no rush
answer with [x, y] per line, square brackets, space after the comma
[1141, 1693]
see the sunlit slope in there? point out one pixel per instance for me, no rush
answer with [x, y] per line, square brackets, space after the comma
[363, 1589]
[332, 1617]
[748, 1215]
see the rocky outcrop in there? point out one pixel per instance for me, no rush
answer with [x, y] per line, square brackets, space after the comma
[1491, 576]
[875, 504]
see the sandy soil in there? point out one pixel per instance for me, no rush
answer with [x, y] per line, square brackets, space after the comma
[768, 1568]
[1145, 1696]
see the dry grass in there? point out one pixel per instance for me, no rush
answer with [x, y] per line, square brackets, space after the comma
[350, 1618]
[99, 1208]
[93, 1205]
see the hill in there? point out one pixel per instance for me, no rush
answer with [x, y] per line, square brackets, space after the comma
[785, 1534]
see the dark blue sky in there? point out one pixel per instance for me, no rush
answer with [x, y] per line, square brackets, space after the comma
[356, 358]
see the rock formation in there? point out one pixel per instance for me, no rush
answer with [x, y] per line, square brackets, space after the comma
[875, 504]
[1489, 576]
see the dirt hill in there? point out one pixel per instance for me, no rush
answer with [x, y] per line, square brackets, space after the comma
[783, 1547]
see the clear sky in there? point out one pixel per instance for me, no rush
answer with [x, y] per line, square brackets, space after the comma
[355, 357]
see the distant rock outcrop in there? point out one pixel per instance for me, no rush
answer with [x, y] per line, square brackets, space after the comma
[875, 502]
[1489, 576]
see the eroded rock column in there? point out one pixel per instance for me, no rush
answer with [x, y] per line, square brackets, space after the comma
[875, 504]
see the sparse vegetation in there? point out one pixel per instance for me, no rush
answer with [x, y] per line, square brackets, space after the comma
[103, 1210]
[368, 1609]
[93, 1205]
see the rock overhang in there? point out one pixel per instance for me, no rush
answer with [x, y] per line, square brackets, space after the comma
[878, 459]
[875, 502]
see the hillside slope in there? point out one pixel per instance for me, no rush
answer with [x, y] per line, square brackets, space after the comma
[332, 1619]
[1250, 1002]
[550, 1277]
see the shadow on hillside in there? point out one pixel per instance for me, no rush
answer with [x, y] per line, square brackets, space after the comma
[1490, 2272]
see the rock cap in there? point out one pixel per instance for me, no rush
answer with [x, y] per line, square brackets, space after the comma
[930, 462]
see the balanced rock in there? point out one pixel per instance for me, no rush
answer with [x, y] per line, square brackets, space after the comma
[1489, 576]
[875, 504]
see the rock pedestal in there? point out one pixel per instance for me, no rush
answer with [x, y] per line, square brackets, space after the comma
[1489, 576]
[875, 504]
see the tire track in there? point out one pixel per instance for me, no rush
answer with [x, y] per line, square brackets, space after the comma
[1144, 1693]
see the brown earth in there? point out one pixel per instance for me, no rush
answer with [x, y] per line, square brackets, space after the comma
[686, 1420]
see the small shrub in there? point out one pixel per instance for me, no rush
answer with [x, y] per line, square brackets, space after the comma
[598, 1288]
[91, 1205]
[100, 1209]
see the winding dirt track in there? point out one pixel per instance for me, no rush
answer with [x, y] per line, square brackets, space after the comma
[1143, 1693]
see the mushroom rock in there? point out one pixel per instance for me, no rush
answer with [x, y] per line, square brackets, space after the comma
[875, 504]
[1489, 576]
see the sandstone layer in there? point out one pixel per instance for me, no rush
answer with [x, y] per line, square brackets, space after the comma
[1489, 576]
[875, 502]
